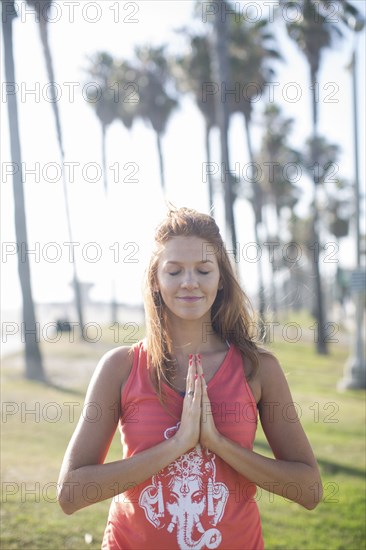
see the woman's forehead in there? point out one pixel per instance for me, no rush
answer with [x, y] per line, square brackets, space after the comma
[183, 248]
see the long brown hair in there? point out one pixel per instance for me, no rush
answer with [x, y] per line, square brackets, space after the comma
[232, 316]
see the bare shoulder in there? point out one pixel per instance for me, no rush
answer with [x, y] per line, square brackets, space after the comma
[268, 374]
[116, 356]
[109, 377]
[116, 363]
[272, 378]
[112, 371]
[270, 371]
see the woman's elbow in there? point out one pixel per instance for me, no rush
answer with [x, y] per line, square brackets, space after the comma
[314, 495]
[311, 504]
[66, 508]
[66, 505]
[66, 497]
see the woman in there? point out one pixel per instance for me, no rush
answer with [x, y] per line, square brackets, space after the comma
[187, 398]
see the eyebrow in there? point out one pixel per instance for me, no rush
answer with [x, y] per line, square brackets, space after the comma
[199, 262]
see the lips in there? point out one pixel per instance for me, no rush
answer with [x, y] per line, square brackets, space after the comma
[189, 298]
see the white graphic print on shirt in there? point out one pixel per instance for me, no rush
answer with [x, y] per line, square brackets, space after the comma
[186, 494]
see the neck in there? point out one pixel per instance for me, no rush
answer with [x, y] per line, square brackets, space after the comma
[191, 337]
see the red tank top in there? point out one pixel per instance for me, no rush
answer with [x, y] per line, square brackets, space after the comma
[198, 501]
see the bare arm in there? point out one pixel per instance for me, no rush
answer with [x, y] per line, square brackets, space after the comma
[294, 472]
[84, 479]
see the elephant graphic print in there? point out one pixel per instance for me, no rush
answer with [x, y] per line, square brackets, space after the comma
[185, 498]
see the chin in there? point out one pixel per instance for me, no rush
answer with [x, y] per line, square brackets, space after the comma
[192, 316]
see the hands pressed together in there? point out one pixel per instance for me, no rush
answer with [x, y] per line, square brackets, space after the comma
[197, 423]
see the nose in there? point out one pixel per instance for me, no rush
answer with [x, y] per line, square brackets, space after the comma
[189, 281]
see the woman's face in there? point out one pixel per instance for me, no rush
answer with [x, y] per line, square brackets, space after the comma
[188, 278]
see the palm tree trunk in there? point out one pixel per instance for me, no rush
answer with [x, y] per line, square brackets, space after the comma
[313, 77]
[33, 360]
[104, 160]
[50, 72]
[210, 179]
[274, 291]
[276, 210]
[113, 304]
[161, 161]
[257, 207]
[220, 59]
[273, 263]
[321, 340]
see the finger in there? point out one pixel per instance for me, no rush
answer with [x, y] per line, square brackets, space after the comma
[190, 376]
[200, 372]
[202, 377]
[199, 368]
[197, 375]
[197, 388]
[194, 376]
[203, 387]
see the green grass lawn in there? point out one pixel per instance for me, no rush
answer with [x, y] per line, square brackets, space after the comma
[33, 444]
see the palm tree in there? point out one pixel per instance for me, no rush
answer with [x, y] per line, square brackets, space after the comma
[334, 210]
[108, 99]
[326, 156]
[192, 72]
[238, 56]
[355, 369]
[100, 69]
[220, 63]
[125, 75]
[297, 287]
[313, 34]
[350, 15]
[277, 191]
[251, 56]
[277, 185]
[156, 104]
[215, 56]
[109, 105]
[340, 208]
[41, 8]
[33, 359]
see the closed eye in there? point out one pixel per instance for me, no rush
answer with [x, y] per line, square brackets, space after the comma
[200, 272]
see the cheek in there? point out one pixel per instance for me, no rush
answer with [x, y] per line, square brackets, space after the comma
[166, 284]
[214, 282]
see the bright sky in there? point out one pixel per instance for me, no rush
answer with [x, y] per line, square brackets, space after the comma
[80, 29]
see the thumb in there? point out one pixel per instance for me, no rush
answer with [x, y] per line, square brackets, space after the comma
[205, 397]
[201, 376]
